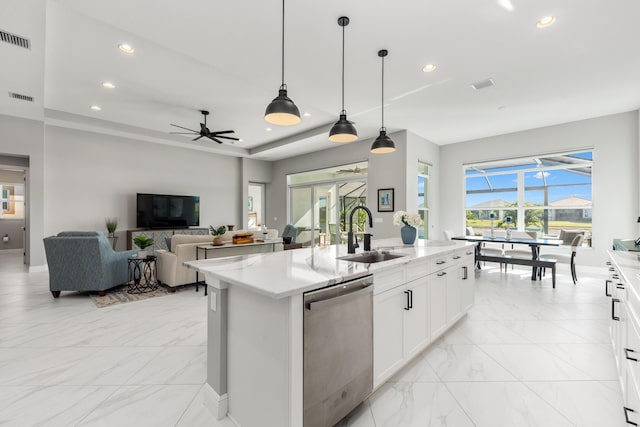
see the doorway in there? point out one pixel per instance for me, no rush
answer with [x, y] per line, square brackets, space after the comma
[256, 206]
[13, 209]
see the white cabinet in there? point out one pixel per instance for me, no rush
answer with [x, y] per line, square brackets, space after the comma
[388, 318]
[416, 317]
[437, 303]
[400, 327]
[415, 305]
[624, 290]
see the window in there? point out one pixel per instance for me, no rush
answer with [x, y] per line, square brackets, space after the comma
[423, 200]
[544, 195]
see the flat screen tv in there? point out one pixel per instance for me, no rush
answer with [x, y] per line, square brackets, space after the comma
[165, 211]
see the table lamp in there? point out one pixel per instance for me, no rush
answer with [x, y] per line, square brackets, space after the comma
[637, 241]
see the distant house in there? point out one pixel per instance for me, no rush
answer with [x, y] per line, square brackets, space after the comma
[482, 210]
[575, 209]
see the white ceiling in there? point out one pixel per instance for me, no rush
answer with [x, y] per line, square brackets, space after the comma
[225, 57]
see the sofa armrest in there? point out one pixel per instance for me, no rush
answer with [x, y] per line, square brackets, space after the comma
[166, 263]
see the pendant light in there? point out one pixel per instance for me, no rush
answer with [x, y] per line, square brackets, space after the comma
[282, 111]
[343, 130]
[383, 144]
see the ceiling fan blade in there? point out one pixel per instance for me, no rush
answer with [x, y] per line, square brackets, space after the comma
[219, 132]
[182, 133]
[182, 127]
[225, 137]
[213, 138]
[195, 139]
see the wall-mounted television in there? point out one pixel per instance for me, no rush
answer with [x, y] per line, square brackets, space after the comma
[166, 211]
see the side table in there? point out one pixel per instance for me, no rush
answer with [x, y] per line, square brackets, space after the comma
[142, 275]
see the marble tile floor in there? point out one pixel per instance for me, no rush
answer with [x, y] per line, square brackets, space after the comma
[526, 355]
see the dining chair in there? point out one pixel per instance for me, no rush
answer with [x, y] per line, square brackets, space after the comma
[566, 258]
[448, 234]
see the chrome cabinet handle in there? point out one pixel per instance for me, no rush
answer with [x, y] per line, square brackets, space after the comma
[457, 257]
[606, 288]
[626, 416]
[442, 274]
[408, 306]
[440, 262]
[626, 354]
[464, 269]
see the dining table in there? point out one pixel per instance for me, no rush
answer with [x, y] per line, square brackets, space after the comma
[534, 244]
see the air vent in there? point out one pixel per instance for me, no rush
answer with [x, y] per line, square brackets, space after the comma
[20, 97]
[15, 40]
[482, 84]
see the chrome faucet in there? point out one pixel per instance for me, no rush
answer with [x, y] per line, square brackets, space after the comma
[351, 247]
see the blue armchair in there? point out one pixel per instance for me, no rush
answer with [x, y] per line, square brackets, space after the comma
[84, 261]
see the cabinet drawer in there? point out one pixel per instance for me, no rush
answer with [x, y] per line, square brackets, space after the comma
[417, 268]
[631, 350]
[439, 263]
[388, 279]
[461, 256]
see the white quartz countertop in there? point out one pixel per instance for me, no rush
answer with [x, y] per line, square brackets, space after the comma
[628, 265]
[287, 273]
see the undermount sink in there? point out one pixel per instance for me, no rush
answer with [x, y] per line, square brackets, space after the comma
[370, 257]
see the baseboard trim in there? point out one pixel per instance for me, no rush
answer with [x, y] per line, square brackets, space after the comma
[217, 405]
[38, 268]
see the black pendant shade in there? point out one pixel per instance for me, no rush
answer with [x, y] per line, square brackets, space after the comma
[383, 144]
[343, 130]
[282, 111]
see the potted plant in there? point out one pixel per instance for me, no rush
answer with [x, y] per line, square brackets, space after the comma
[217, 234]
[112, 224]
[142, 242]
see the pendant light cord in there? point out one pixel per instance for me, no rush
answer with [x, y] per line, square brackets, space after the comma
[383, 128]
[343, 70]
[282, 45]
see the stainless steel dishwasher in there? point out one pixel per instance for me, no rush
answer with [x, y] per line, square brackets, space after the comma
[338, 350]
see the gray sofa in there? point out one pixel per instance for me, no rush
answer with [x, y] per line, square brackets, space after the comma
[84, 261]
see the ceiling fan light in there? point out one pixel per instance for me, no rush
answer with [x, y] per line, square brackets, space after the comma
[383, 144]
[343, 131]
[282, 111]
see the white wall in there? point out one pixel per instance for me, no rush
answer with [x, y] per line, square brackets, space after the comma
[419, 149]
[385, 171]
[92, 176]
[614, 140]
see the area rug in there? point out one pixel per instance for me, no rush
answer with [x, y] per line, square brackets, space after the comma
[119, 295]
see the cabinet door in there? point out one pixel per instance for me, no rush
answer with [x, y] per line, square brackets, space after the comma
[416, 319]
[388, 313]
[454, 292]
[437, 303]
[467, 279]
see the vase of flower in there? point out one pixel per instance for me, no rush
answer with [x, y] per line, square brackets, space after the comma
[408, 234]
[409, 222]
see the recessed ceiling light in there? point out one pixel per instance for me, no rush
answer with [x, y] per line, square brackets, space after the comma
[547, 21]
[108, 85]
[268, 129]
[429, 68]
[307, 114]
[126, 48]
[96, 108]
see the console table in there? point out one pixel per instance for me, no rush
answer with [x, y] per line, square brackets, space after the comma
[625, 245]
[158, 235]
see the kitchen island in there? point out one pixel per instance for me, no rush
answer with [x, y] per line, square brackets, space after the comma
[255, 318]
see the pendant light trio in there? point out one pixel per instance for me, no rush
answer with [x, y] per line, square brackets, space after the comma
[283, 111]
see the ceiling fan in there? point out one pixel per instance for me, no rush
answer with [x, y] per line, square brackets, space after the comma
[356, 169]
[205, 132]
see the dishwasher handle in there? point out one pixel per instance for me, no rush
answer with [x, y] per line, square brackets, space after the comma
[331, 300]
